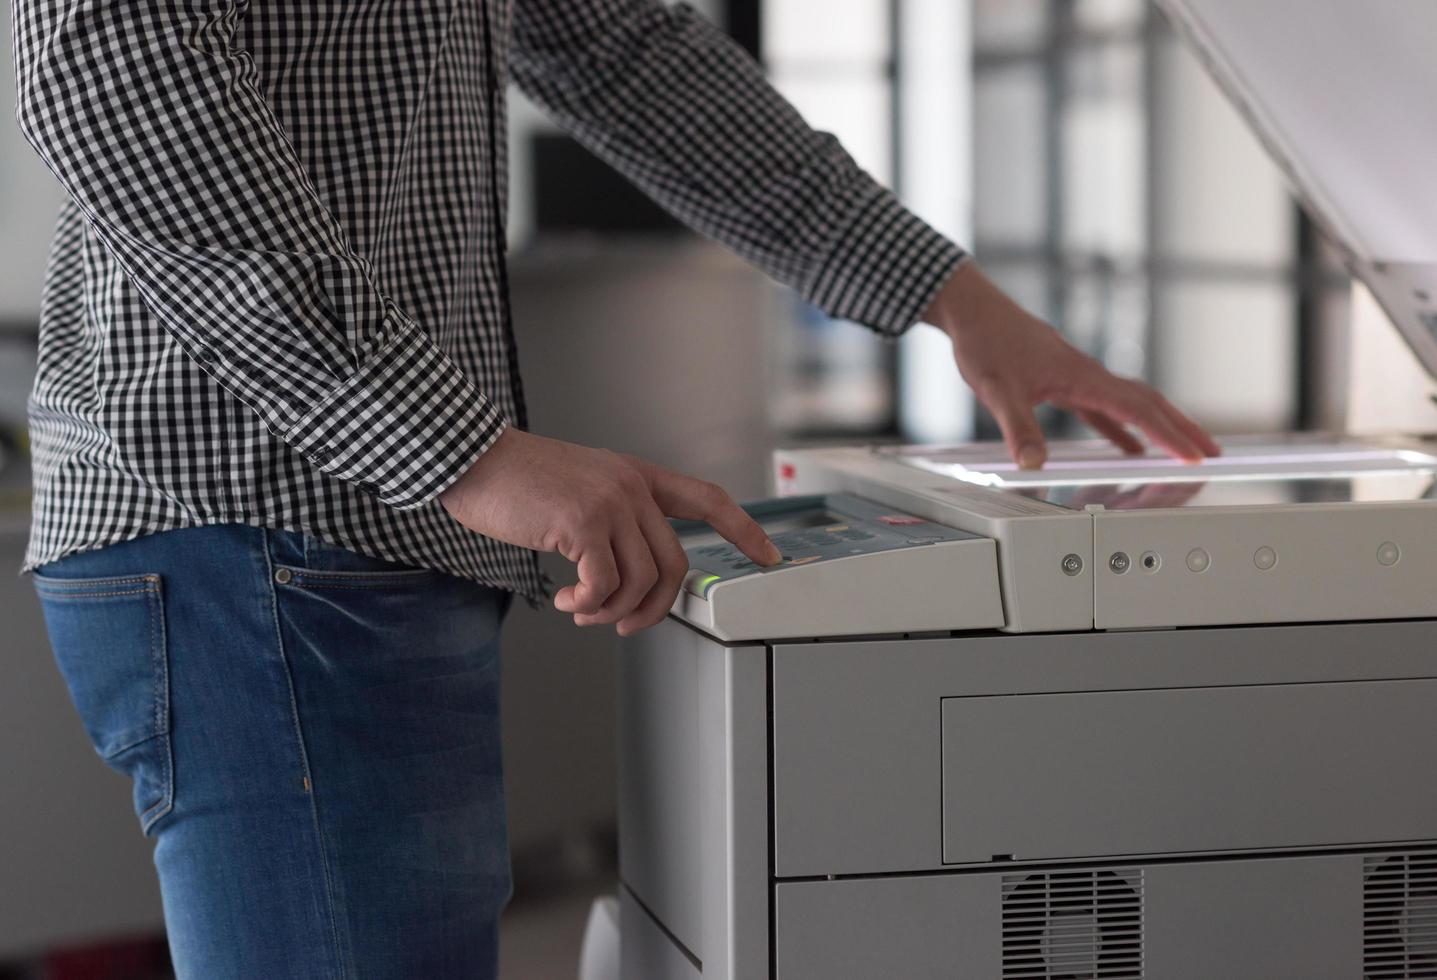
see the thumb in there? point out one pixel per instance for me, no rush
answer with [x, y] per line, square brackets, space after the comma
[1020, 431]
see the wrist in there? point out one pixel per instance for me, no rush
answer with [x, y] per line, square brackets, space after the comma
[484, 467]
[950, 309]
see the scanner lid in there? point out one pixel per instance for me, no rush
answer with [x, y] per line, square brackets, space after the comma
[1339, 94]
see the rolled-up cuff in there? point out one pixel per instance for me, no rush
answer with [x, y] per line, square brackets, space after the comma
[886, 268]
[404, 427]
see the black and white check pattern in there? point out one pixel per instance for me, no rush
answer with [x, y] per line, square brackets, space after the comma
[277, 294]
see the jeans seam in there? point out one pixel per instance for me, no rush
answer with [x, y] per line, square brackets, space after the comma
[386, 583]
[340, 959]
[68, 586]
[160, 659]
[159, 663]
[119, 750]
[62, 596]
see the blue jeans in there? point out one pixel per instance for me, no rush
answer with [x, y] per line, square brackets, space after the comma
[313, 739]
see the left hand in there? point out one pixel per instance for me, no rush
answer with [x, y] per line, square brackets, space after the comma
[1013, 361]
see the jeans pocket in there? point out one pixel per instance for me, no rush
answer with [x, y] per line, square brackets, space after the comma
[329, 566]
[108, 636]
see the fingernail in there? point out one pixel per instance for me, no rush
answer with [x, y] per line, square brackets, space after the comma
[771, 554]
[1030, 458]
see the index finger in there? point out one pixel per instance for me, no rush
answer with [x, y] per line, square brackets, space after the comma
[696, 500]
[1126, 402]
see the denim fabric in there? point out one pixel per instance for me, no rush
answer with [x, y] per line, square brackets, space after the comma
[313, 740]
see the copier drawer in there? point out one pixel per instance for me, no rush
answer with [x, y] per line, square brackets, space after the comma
[1329, 917]
[1201, 769]
[915, 755]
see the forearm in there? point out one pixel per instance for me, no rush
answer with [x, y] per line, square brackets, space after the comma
[688, 116]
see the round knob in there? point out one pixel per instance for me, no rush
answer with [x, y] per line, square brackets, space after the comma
[1198, 560]
[1264, 558]
[1388, 554]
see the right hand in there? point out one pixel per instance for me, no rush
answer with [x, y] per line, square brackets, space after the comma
[603, 511]
[1013, 361]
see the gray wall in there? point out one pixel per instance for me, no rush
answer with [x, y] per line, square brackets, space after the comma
[73, 865]
[29, 200]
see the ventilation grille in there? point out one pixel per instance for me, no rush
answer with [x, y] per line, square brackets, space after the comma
[1073, 925]
[1399, 917]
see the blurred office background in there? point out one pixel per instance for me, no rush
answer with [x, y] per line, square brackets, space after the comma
[1073, 145]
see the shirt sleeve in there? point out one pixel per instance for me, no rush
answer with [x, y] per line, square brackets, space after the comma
[686, 114]
[157, 127]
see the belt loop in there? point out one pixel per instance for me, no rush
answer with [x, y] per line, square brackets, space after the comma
[286, 547]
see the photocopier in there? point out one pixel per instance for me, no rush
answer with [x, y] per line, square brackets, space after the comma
[1120, 717]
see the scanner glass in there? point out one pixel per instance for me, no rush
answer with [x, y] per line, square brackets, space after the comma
[1251, 472]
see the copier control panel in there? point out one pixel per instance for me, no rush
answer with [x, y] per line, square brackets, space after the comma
[849, 566]
[806, 530]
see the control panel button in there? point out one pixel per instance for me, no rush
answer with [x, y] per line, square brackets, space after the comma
[808, 531]
[1198, 560]
[1264, 558]
[1388, 554]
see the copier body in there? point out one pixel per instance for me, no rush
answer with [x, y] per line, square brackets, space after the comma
[1250, 803]
[983, 799]
[1195, 737]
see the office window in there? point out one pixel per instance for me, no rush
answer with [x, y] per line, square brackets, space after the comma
[891, 79]
[1121, 197]
[834, 63]
[1103, 180]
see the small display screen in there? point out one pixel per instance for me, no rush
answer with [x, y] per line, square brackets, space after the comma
[818, 517]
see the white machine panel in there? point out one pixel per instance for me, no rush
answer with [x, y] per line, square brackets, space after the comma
[849, 567]
[1217, 769]
[1300, 918]
[1276, 530]
[1044, 551]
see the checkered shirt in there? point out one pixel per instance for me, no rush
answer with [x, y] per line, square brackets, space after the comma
[276, 294]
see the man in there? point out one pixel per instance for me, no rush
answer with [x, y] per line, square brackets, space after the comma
[283, 489]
